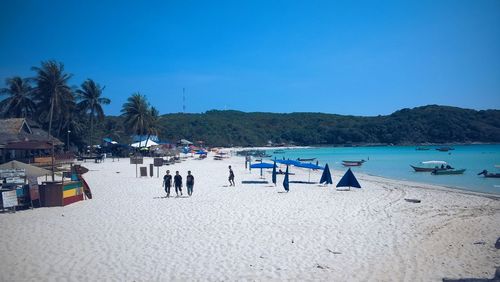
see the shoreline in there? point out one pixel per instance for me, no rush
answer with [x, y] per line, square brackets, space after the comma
[251, 232]
[452, 187]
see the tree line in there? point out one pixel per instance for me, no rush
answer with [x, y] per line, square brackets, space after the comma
[47, 99]
[70, 111]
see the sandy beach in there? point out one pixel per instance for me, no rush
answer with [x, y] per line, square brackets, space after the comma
[251, 232]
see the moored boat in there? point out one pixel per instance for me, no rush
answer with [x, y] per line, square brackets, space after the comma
[422, 149]
[445, 149]
[489, 174]
[344, 163]
[306, 160]
[448, 171]
[431, 166]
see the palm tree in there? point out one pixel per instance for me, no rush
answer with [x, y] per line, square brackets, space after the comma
[20, 101]
[153, 123]
[91, 103]
[53, 92]
[136, 113]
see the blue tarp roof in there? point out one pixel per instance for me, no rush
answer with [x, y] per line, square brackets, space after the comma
[262, 165]
[308, 165]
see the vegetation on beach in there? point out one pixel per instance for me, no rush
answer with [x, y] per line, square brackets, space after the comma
[48, 99]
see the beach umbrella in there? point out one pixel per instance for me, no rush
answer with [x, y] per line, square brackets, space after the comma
[286, 183]
[326, 177]
[262, 166]
[308, 166]
[274, 173]
[30, 170]
[348, 180]
[288, 162]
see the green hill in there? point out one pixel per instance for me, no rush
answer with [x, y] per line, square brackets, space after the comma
[427, 124]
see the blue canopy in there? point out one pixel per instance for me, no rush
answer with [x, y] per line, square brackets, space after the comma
[309, 166]
[274, 173]
[288, 162]
[262, 165]
[326, 177]
[348, 180]
[286, 183]
[201, 152]
[107, 140]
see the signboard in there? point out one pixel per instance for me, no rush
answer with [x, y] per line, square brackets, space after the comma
[34, 192]
[4, 173]
[158, 162]
[144, 171]
[136, 160]
[9, 199]
[15, 180]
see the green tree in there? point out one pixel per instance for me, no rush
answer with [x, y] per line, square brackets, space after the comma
[53, 92]
[90, 102]
[19, 102]
[136, 114]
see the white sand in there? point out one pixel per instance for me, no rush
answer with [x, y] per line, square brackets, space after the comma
[251, 232]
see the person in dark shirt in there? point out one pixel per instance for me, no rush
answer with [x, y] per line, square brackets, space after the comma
[178, 183]
[231, 177]
[167, 182]
[190, 183]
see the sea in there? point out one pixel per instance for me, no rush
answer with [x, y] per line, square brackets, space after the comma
[394, 162]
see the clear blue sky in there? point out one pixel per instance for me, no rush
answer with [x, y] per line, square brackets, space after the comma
[345, 57]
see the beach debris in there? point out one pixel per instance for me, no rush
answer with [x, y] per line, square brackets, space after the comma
[333, 252]
[413, 200]
[262, 257]
[292, 241]
[497, 244]
[321, 266]
[479, 243]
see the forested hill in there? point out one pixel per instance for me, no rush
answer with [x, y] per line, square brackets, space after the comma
[428, 124]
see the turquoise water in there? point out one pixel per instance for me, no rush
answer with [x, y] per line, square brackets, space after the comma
[394, 162]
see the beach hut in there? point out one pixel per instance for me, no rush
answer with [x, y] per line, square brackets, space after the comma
[348, 180]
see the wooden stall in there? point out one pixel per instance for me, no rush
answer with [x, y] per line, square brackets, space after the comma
[56, 194]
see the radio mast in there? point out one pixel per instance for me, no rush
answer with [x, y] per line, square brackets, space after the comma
[183, 100]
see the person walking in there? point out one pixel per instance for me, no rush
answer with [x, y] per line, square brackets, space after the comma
[231, 177]
[178, 183]
[190, 183]
[167, 182]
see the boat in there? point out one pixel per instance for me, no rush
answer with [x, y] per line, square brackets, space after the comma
[444, 149]
[306, 160]
[422, 149]
[279, 152]
[351, 163]
[488, 174]
[360, 161]
[431, 166]
[448, 171]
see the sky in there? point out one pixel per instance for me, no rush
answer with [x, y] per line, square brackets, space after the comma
[344, 57]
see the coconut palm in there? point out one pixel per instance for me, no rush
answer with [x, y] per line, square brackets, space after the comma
[90, 102]
[136, 113]
[53, 93]
[52, 90]
[153, 126]
[20, 101]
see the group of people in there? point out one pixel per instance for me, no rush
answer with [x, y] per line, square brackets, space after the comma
[177, 181]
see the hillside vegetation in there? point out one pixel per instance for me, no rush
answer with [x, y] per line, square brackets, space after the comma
[428, 124]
